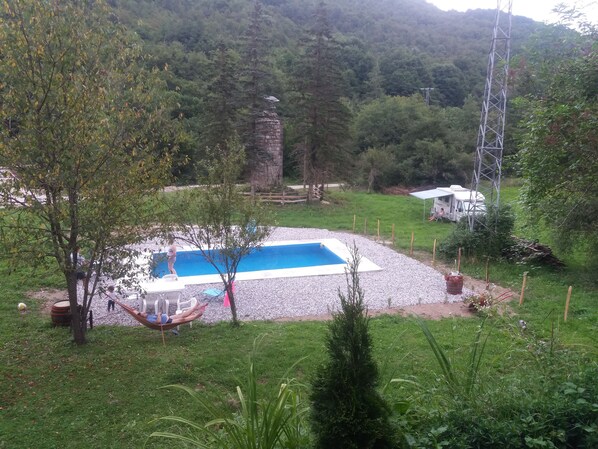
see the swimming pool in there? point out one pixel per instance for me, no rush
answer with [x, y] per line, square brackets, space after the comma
[193, 263]
[274, 259]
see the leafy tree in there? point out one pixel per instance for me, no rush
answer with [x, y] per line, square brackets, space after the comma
[449, 84]
[404, 73]
[84, 140]
[427, 141]
[347, 410]
[219, 216]
[323, 122]
[559, 155]
[376, 164]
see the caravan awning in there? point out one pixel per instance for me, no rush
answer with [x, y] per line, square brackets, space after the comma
[427, 194]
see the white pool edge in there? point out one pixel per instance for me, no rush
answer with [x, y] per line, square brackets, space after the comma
[334, 245]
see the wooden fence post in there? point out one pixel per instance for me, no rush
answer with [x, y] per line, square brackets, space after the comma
[411, 247]
[523, 288]
[393, 234]
[434, 253]
[354, 218]
[365, 226]
[459, 261]
[567, 302]
[378, 231]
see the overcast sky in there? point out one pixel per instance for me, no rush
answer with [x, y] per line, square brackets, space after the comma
[539, 10]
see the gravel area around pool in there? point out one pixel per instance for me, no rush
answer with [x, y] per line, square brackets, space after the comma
[401, 282]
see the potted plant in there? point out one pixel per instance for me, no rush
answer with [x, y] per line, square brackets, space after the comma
[454, 283]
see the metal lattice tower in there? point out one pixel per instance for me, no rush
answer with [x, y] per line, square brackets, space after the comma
[488, 159]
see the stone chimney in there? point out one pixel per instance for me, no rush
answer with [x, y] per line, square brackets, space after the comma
[267, 171]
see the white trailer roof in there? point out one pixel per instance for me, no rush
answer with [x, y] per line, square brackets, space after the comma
[427, 194]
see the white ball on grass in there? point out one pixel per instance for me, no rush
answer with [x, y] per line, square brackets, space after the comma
[22, 306]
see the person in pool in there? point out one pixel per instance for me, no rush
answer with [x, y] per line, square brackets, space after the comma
[171, 254]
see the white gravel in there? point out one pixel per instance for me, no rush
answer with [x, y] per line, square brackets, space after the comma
[401, 282]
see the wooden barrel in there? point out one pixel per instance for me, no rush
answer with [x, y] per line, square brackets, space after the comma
[61, 313]
[454, 284]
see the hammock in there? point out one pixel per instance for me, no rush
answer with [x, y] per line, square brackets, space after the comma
[162, 327]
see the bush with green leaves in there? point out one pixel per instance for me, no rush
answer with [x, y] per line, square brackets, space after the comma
[554, 406]
[491, 237]
[347, 410]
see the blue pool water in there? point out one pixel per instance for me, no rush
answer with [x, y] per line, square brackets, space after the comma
[192, 263]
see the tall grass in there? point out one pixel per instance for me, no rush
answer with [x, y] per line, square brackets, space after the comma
[462, 386]
[269, 422]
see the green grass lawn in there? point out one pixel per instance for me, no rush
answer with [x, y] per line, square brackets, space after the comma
[107, 394]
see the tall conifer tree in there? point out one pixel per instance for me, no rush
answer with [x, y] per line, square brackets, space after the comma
[347, 410]
[323, 118]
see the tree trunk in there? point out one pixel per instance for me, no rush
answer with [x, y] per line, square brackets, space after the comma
[231, 299]
[78, 323]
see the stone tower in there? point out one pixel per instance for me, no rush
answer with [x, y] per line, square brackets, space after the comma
[267, 169]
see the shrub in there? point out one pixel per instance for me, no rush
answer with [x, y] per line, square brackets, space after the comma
[551, 404]
[347, 410]
[491, 237]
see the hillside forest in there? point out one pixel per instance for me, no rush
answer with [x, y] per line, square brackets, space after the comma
[372, 93]
[221, 57]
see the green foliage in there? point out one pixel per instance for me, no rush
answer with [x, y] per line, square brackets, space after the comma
[556, 413]
[558, 156]
[270, 422]
[375, 165]
[86, 124]
[463, 387]
[347, 411]
[323, 118]
[491, 237]
[421, 139]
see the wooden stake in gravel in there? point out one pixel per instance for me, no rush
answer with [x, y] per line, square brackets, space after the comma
[378, 231]
[354, 218]
[393, 234]
[434, 253]
[523, 288]
[365, 226]
[567, 302]
[459, 261]
[411, 248]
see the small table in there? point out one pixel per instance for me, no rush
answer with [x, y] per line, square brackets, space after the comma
[161, 290]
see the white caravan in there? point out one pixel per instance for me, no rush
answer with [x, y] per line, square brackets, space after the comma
[452, 203]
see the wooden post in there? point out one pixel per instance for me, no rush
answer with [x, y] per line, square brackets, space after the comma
[411, 247]
[434, 253]
[365, 226]
[523, 288]
[567, 303]
[459, 261]
[487, 272]
[378, 231]
[354, 218]
[393, 234]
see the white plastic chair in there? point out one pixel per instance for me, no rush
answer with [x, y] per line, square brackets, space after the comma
[186, 305]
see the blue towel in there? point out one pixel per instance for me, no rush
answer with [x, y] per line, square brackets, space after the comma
[213, 292]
